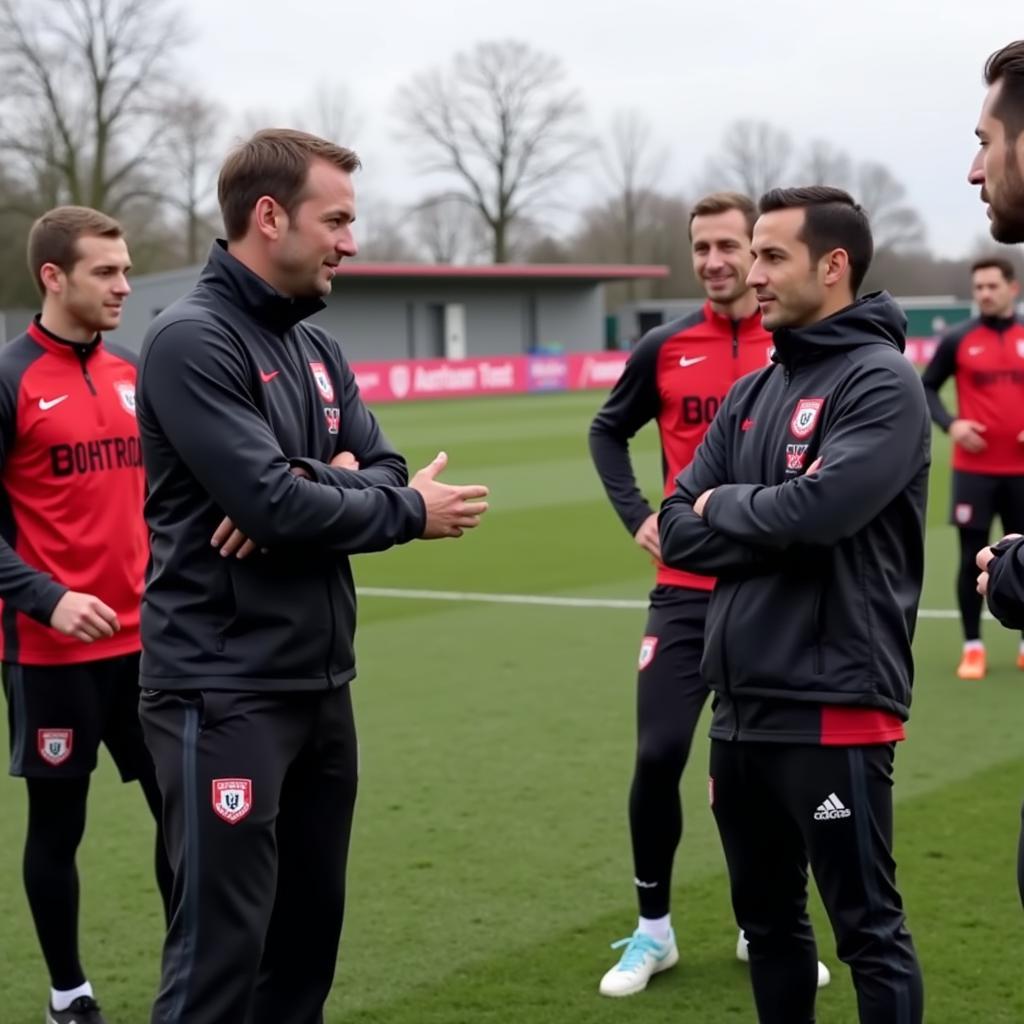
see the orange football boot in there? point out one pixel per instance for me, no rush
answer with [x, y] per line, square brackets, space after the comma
[972, 664]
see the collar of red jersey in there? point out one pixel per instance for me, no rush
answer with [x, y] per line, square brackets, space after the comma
[61, 346]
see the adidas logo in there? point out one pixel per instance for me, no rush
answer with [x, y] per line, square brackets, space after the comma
[832, 809]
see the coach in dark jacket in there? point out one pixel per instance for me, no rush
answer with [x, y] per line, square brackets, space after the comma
[807, 500]
[266, 471]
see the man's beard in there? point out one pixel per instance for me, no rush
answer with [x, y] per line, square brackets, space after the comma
[1008, 219]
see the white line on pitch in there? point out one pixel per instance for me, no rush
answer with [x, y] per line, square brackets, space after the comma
[551, 601]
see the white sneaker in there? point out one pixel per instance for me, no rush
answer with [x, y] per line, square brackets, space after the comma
[642, 958]
[743, 953]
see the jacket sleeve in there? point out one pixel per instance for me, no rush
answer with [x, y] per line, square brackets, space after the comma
[632, 403]
[380, 465]
[195, 386]
[23, 587]
[936, 373]
[687, 540]
[876, 443]
[1006, 584]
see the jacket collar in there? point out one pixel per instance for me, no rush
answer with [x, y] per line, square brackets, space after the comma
[58, 345]
[248, 291]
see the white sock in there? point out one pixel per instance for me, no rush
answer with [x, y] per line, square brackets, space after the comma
[658, 928]
[975, 645]
[62, 1000]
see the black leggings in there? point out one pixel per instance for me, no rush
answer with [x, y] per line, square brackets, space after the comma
[670, 696]
[968, 598]
[56, 824]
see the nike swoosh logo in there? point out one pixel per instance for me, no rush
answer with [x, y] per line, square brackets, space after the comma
[44, 404]
[684, 362]
[268, 377]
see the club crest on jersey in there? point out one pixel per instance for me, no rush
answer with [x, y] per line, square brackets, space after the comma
[963, 514]
[333, 416]
[648, 646]
[126, 392]
[54, 745]
[805, 417]
[323, 382]
[232, 799]
[796, 456]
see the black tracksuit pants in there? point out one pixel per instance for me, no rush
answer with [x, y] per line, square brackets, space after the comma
[259, 790]
[778, 807]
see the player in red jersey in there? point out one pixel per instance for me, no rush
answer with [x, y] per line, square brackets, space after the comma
[73, 551]
[985, 357]
[677, 376]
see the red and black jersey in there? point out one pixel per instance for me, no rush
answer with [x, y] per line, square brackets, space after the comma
[986, 358]
[71, 494]
[678, 375]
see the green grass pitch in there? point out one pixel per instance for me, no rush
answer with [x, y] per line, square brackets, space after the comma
[490, 863]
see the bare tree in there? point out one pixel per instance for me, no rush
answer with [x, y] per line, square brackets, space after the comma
[449, 231]
[501, 123]
[189, 155]
[331, 113]
[633, 168]
[894, 223]
[83, 83]
[824, 164]
[754, 158]
[383, 234]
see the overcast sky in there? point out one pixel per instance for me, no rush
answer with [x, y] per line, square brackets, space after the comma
[897, 82]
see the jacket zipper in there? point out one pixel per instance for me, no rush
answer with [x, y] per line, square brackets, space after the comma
[82, 361]
[816, 626]
[723, 661]
[330, 643]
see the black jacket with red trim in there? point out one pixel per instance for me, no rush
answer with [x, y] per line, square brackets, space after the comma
[677, 375]
[819, 575]
[985, 356]
[71, 494]
[234, 390]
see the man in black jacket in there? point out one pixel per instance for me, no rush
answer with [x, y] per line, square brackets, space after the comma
[806, 500]
[254, 437]
[998, 168]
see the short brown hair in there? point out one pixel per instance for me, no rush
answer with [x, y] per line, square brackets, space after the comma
[1007, 66]
[54, 237]
[1000, 263]
[832, 220]
[274, 162]
[723, 202]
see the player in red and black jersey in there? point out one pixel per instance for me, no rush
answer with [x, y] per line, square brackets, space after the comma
[985, 356]
[73, 551]
[677, 376]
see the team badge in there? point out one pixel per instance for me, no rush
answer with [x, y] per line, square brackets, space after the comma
[805, 418]
[963, 514]
[796, 456]
[54, 745]
[648, 646]
[126, 392]
[323, 382]
[333, 416]
[232, 799]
